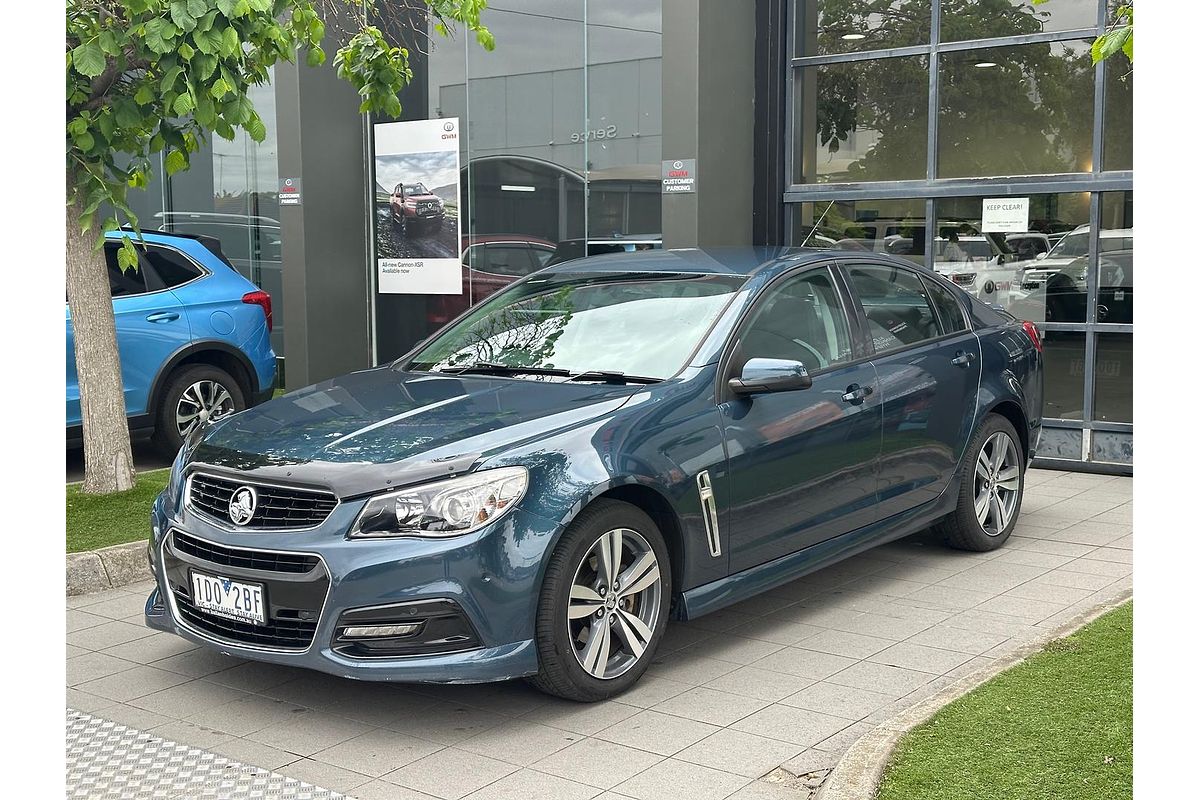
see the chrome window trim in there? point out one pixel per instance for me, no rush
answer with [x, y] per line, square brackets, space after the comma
[178, 619]
[225, 526]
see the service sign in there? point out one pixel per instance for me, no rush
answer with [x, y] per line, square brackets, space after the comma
[416, 207]
[289, 191]
[1005, 215]
[678, 176]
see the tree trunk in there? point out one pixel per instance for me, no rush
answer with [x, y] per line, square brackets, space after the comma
[107, 456]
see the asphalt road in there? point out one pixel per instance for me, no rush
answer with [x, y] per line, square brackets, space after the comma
[419, 242]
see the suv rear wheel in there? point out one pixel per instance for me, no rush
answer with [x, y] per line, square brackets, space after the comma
[194, 395]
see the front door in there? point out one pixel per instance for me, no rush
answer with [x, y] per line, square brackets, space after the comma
[801, 462]
[928, 363]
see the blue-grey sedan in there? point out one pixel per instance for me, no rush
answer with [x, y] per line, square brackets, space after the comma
[607, 444]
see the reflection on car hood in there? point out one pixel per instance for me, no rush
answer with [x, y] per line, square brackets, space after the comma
[362, 431]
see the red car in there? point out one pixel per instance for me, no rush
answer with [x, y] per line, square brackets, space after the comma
[489, 263]
[412, 203]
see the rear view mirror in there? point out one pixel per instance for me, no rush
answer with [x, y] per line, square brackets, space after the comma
[761, 375]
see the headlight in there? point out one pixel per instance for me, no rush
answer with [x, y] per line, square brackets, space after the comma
[446, 508]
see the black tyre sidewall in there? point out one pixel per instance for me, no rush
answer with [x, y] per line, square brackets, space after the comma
[166, 435]
[992, 424]
[555, 649]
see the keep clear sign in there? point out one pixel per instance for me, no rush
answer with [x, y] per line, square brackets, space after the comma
[1005, 215]
[416, 207]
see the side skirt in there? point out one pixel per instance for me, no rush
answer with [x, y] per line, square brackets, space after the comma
[724, 592]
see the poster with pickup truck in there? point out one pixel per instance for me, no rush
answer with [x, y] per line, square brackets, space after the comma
[416, 207]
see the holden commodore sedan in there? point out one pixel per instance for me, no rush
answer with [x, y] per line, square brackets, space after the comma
[602, 447]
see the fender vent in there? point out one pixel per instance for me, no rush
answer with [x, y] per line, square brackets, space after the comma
[708, 507]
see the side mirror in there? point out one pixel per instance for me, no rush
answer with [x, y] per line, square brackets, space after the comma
[1040, 256]
[761, 375]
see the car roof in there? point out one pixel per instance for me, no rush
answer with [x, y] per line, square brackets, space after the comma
[706, 261]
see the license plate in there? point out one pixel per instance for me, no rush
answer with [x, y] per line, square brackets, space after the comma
[227, 598]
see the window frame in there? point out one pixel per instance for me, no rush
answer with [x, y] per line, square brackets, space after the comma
[144, 264]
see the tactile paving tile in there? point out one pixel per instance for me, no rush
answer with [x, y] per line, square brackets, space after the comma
[107, 761]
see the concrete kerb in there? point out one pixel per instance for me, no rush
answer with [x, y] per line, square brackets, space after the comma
[860, 770]
[106, 568]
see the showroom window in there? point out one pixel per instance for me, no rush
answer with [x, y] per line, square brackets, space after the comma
[907, 118]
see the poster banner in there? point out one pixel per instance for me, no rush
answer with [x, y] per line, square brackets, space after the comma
[1005, 215]
[416, 207]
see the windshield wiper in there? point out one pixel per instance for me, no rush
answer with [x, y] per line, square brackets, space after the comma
[612, 376]
[492, 368]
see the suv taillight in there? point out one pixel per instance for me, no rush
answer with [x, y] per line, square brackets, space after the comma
[1034, 336]
[261, 298]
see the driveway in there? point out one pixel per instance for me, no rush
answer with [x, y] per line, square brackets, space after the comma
[743, 703]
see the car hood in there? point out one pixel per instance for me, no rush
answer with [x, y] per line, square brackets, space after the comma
[383, 427]
[422, 197]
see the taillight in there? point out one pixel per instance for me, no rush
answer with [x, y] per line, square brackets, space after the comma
[261, 298]
[1034, 336]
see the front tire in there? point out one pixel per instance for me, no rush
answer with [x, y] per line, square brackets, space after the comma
[993, 484]
[604, 603]
[194, 395]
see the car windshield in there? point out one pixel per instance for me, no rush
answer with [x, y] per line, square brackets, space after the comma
[1072, 245]
[415, 188]
[642, 325]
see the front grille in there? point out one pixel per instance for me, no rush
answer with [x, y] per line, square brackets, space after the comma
[277, 508]
[246, 559]
[282, 632]
[962, 278]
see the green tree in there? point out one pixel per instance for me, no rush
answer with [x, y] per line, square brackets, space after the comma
[146, 77]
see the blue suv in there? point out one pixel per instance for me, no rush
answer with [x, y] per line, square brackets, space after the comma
[194, 339]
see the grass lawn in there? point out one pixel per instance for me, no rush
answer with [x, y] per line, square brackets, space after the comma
[100, 520]
[1059, 725]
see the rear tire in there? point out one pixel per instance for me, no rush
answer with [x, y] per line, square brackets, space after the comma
[202, 390]
[993, 484]
[582, 597]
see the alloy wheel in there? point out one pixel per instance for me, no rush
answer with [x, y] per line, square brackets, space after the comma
[201, 403]
[997, 483]
[616, 600]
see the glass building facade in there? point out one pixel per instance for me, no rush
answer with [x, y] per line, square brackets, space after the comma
[881, 125]
[907, 115]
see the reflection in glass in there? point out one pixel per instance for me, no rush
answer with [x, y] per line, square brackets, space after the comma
[844, 26]
[1113, 398]
[984, 19]
[1114, 301]
[1014, 270]
[643, 327]
[1118, 114]
[895, 227]
[1063, 355]
[862, 120]
[1021, 110]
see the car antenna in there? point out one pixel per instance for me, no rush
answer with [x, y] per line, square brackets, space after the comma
[817, 224]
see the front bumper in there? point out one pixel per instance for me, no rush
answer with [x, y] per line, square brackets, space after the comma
[489, 579]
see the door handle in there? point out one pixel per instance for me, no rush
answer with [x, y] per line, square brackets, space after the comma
[856, 394]
[962, 359]
[163, 316]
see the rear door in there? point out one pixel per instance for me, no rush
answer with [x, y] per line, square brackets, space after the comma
[151, 325]
[928, 364]
[802, 463]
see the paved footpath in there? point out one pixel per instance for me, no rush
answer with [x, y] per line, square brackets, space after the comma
[755, 702]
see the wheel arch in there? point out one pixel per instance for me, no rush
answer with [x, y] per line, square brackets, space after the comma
[1012, 411]
[211, 352]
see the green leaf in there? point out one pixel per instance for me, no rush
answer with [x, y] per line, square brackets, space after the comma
[208, 41]
[220, 88]
[181, 16]
[160, 35]
[226, 7]
[255, 127]
[168, 81]
[203, 66]
[316, 56]
[197, 8]
[127, 113]
[144, 95]
[183, 105]
[175, 161]
[108, 42]
[77, 127]
[88, 59]
[239, 111]
[230, 43]
[127, 256]
[241, 8]
[1110, 43]
[186, 51]
[84, 141]
[206, 112]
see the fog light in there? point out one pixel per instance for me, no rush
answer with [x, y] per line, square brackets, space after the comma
[381, 631]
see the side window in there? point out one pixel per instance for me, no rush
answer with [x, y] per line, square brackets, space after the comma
[803, 320]
[542, 254]
[949, 311]
[123, 283]
[896, 305]
[171, 267]
[503, 259]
